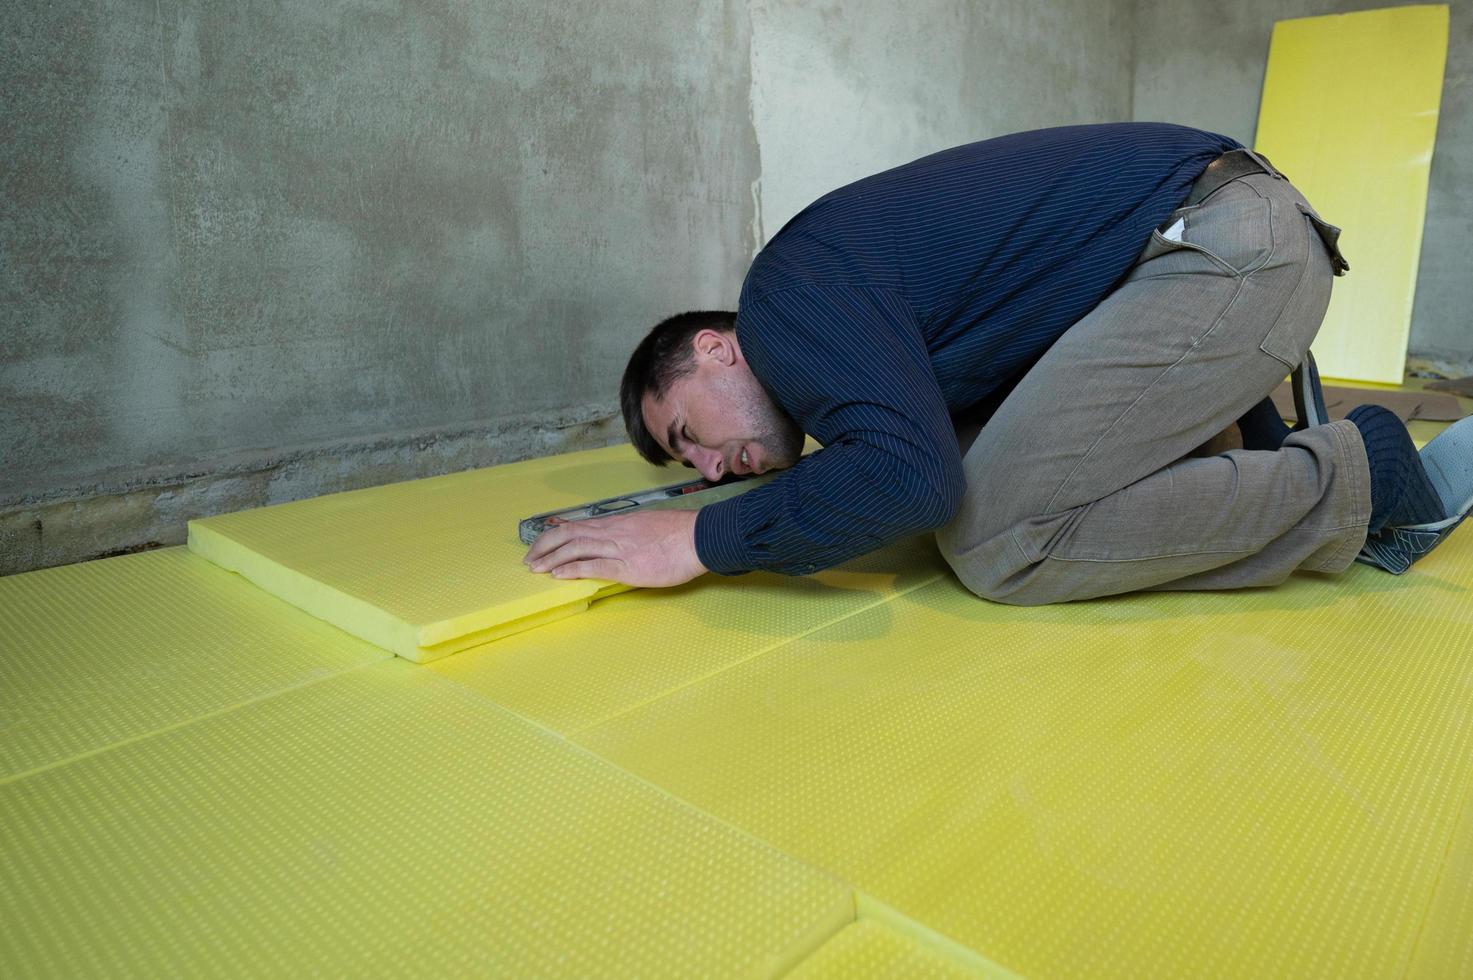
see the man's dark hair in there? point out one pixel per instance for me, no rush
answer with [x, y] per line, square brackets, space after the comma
[663, 357]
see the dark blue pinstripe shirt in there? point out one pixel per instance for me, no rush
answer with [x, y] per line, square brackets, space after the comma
[888, 305]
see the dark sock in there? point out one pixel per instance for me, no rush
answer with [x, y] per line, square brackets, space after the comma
[1400, 491]
[1263, 427]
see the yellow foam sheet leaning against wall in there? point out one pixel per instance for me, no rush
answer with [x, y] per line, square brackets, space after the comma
[426, 567]
[1349, 113]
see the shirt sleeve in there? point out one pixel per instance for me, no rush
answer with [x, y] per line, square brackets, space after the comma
[849, 364]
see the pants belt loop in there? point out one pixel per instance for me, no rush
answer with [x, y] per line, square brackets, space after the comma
[1268, 168]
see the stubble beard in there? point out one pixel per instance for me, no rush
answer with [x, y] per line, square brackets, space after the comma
[775, 431]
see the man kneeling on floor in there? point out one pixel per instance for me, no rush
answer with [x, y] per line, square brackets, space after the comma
[1105, 299]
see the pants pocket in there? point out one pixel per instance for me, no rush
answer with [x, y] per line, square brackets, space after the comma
[1303, 311]
[1232, 230]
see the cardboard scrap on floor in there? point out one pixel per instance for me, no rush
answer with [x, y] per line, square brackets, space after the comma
[1453, 386]
[1408, 405]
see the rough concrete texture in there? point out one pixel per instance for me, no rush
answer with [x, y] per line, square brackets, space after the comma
[154, 508]
[845, 88]
[405, 237]
[230, 227]
[1203, 64]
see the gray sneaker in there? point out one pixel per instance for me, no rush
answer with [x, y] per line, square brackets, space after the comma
[1448, 460]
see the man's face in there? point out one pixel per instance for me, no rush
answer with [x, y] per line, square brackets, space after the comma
[719, 419]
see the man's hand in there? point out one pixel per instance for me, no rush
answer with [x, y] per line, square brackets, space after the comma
[653, 548]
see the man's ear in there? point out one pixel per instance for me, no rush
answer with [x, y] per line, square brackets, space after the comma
[716, 345]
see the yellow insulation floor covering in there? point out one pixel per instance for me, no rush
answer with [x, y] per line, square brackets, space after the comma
[102, 652]
[863, 773]
[867, 948]
[384, 822]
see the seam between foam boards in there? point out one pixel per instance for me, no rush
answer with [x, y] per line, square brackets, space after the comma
[763, 651]
[792, 955]
[1437, 884]
[1463, 815]
[804, 948]
[863, 905]
[869, 907]
[186, 722]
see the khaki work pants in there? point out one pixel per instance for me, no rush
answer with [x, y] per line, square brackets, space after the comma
[1078, 486]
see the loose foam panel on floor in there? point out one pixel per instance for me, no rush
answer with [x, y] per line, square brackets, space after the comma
[1349, 114]
[105, 651]
[1238, 784]
[638, 647]
[427, 567]
[385, 822]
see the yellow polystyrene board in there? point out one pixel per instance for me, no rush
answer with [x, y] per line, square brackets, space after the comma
[385, 822]
[639, 646]
[1349, 113]
[1240, 783]
[105, 651]
[1445, 947]
[427, 567]
[870, 950]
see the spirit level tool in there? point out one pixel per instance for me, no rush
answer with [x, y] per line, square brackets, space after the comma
[677, 496]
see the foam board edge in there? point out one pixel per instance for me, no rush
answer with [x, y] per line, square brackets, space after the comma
[348, 613]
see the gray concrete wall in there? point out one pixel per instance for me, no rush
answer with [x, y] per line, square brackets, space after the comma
[846, 88]
[1202, 63]
[252, 251]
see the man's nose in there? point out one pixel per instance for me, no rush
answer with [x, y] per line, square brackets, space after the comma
[708, 462]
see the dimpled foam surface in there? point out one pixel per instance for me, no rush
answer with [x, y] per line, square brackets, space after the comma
[642, 645]
[1239, 784]
[385, 822]
[105, 651]
[1445, 947]
[874, 951]
[426, 567]
[867, 772]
